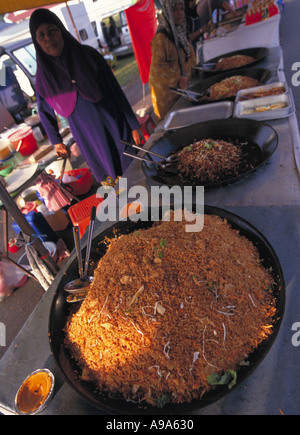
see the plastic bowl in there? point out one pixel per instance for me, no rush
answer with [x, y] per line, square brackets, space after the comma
[35, 392]
[6, 169]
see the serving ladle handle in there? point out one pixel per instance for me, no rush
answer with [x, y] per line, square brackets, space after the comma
[78, 249]
[90, 238]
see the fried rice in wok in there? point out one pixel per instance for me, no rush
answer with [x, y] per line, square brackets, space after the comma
[171, 312]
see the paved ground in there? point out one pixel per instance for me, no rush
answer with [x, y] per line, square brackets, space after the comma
[16, 309]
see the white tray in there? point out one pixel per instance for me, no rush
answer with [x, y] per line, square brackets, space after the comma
[262, 88]
[241, 108]
[192, 115]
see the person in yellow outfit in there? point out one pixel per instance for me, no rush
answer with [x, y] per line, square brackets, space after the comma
[165, 69]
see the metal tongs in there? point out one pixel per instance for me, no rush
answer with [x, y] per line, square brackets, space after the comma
[79, 287]
[193, 96]
[168, 164]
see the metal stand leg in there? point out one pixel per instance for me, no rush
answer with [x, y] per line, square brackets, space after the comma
[6, 254]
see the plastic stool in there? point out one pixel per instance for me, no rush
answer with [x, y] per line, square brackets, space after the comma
[80, 213]
[147, 126]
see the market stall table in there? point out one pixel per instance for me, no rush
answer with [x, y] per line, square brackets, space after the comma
[265, 32]
[24, 174]
[270, 200]
[20, 180]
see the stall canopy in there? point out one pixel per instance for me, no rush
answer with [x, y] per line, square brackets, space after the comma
[18, 5]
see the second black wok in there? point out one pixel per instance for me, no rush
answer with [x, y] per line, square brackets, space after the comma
[259, 141]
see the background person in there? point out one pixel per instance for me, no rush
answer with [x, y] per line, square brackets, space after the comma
[165, 68]
[194, 26]
[205, 9]
[113, 33]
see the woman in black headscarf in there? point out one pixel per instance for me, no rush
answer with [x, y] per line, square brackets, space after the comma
[165, 71]
[75, 81]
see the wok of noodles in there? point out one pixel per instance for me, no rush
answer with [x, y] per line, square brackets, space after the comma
[230, 86]
[209, 160]
[235, 61]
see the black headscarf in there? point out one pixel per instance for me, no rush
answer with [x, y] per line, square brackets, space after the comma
[58, 79]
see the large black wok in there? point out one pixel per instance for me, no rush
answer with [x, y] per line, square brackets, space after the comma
[203, 86]
[258, 53]
[60, 311]
[261, 138]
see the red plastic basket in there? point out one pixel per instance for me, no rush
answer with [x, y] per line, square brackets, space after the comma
[80, 213]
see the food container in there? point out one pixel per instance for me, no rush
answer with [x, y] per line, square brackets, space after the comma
[5, 152]
[193, 115]
[241, 94]
[30, 194]
[35, 392]
[82, 183]
[262, 109]
[24, 141]
[6, 169]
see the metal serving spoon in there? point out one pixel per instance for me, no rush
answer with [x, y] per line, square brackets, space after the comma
[72, 298]
[81, 283]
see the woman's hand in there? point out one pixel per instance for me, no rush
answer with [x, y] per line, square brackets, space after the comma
[62, 151]
[138, 137]
[183, 82]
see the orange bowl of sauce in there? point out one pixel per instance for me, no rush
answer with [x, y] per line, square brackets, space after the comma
[35, 392]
